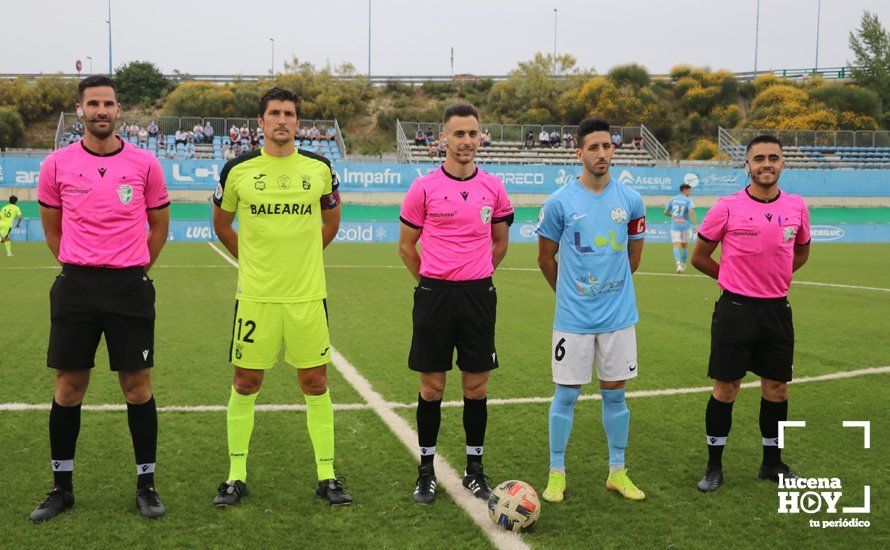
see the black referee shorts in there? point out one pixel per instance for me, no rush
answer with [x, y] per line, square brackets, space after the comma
[87, 302]
[449, 315]
[751, 334]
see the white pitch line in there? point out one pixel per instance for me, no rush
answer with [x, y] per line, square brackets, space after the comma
[520, 269]
[446, 475]
[17, 407]
[646, 273]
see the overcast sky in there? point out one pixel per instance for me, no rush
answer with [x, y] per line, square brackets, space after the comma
[415, 37]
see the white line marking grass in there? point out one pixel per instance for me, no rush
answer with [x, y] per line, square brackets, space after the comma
[447, 476]
[394, 405]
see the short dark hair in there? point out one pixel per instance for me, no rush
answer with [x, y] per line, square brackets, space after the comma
[460, 109]
[95, 81]
[279, 94]
[763, 138]
[589, 126]
[13, 199]
[685, 186]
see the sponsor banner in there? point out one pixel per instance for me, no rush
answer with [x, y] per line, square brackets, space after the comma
[525, 178]
[520, 232]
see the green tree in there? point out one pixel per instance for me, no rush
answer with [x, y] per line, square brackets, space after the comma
[633, 75]
[871, 46]
[140, 83]
[12, 128]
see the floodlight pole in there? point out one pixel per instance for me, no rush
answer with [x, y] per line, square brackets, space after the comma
[818, 20]
[110, 70]
[272, 70]
[369, 38]
[555, 17]
[91, 64]
[756, 35]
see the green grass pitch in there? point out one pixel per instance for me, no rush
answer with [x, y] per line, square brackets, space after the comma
[838, 329]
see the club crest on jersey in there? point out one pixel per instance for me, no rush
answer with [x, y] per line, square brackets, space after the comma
[125, 194]
[219, 192]
[619, 215]
[789, 233]
[307, 183]
[239, 350]
[283, 182]
[485, 212]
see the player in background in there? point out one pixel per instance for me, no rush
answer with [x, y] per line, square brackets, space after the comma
[10, 215]
[683, 222]
[97, 196]
[288, 208]
[461, 216]
[596, 225]
[764, 235]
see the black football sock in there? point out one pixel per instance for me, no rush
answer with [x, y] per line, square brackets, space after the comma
[429, 417]
[64, 426]
[475, 420]
[718, 421]
[143, 420]
[771, 413]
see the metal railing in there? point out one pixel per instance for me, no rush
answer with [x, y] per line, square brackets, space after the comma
[817, 138]
[653, 146]
[416, 80]
[402, 145]
[516, 132]
[168, 125]
[730, 145]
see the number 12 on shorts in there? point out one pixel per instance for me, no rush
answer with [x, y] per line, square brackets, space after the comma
[250, 326]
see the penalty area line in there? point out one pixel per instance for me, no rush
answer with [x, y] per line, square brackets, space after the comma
[447, 476]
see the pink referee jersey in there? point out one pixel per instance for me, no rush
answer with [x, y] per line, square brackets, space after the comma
[104, 201]
[455, 216]
[757, 239]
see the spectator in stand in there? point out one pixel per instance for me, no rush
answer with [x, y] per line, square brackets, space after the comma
[544, 138]
[638, 143]
[331, 133]
[431, 149]
[440, 148]
[124, 132]
[429, 135]
[254, 139]
[529, 140]
[208, 132]
[314, 134]
[162, 141]
[486, 138]
[227, 152]
[568, 141]
[555, 139]
[304, 133]
[190, 149]
[260, 135]
[190, 137]
[199, 134]
[245, 131]
[418, 138]
[233, 133]
[179, 137]
[237, 150]
[153, 129]
[77, 129]
[616, 139]
[143, 138]
[134, 129]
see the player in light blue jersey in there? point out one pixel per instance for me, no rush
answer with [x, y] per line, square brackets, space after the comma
[596, 225]
[683, 222]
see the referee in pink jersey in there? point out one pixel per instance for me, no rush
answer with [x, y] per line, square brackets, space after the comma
[765, 237]
[461, 216]
[96, 196]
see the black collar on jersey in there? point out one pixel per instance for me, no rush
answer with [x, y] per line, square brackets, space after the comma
[111, 154]
[473, 175]
[752, 197]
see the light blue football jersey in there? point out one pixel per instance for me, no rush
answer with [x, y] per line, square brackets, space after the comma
[679, 207]
[594, 290]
